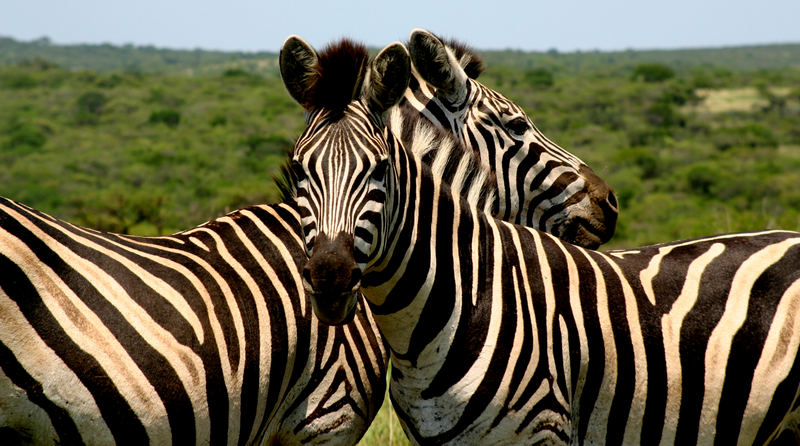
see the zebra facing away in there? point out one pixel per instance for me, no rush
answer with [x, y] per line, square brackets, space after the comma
[535, 182]
[503, 334]
[202, 337]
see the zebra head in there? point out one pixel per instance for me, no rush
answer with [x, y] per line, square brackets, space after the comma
[340, 162]
[539, 184]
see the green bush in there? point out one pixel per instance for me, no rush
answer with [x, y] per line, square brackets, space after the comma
[678, 94]
[159, 95]
[90, 106]
[170, 118]
[702, 177]
[750, 135]
[18, 81]
[539, 78]
[24, 136]
[662, 114]
[235, 72]
[37, 63]
[653, 72]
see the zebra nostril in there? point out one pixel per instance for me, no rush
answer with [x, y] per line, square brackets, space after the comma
[612, 199]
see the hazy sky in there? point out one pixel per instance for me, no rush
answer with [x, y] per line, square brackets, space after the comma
[254, 25]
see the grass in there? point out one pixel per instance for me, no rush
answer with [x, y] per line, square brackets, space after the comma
[385, 429]
[744, 100]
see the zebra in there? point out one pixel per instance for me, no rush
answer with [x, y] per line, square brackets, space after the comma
[536, 183]
[201, 337]
[328, 390]
[503, 334]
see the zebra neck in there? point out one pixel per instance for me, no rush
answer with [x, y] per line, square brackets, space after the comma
[421, 97]
[438, 264]
[448, 157]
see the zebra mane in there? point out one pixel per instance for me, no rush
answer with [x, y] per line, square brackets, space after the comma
[286, 181]
[337, 75]
[472, 64]
[447, 157]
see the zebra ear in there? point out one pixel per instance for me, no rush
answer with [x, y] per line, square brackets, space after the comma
[388, 78]
[437, 66]
[298, 62]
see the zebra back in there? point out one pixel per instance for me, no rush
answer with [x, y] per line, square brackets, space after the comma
[202, 337]
[504, 334]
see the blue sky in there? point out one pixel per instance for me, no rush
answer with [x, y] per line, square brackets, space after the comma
[252, 25]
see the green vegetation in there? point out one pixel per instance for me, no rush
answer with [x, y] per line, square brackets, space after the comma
[694, 142]
[141, 153]
[385, 429]
[690, 152]
[149, 141]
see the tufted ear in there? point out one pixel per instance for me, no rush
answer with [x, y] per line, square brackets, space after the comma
[438, 66]
[298, 62]
[388, 78]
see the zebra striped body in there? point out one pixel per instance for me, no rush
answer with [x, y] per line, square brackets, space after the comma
[502, 334]
[202, 337]
[534, 182]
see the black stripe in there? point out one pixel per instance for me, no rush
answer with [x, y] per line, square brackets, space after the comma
[441, 298]
[118, 415]
[14, 280]
[626, 367]
[695, 331]
[747, 346]
[588, 288]
[486, 390]
[473, 323]
[152, 363]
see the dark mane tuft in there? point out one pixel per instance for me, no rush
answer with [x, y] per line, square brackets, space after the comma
[471, 63]
[340, 71]
[286, 181]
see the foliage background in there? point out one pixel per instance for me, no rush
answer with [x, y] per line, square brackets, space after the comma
[150, 141]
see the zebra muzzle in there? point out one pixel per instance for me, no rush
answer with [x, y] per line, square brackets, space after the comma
[332, 278]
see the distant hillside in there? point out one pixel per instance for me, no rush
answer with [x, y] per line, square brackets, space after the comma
[743, 58]
[107, 57]
[148, 59]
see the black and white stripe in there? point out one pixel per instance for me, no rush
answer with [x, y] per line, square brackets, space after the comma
[504, 334]
[536, 183]
[127, 324]
[202, 337]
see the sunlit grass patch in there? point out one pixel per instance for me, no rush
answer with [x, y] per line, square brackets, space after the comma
[744, 99]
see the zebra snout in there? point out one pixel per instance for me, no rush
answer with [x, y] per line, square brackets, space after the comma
[599, 223]
[331, 277]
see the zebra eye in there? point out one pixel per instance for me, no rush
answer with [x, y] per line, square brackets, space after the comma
[299, 172]
[518, 126]
[379, 171]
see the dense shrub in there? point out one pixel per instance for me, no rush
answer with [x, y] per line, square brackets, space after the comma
[170, 118]
[702, 177]
[653, 72]
[90, 106]
[539, 78]
[25, 136]
[17, 81]
[748, 135]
